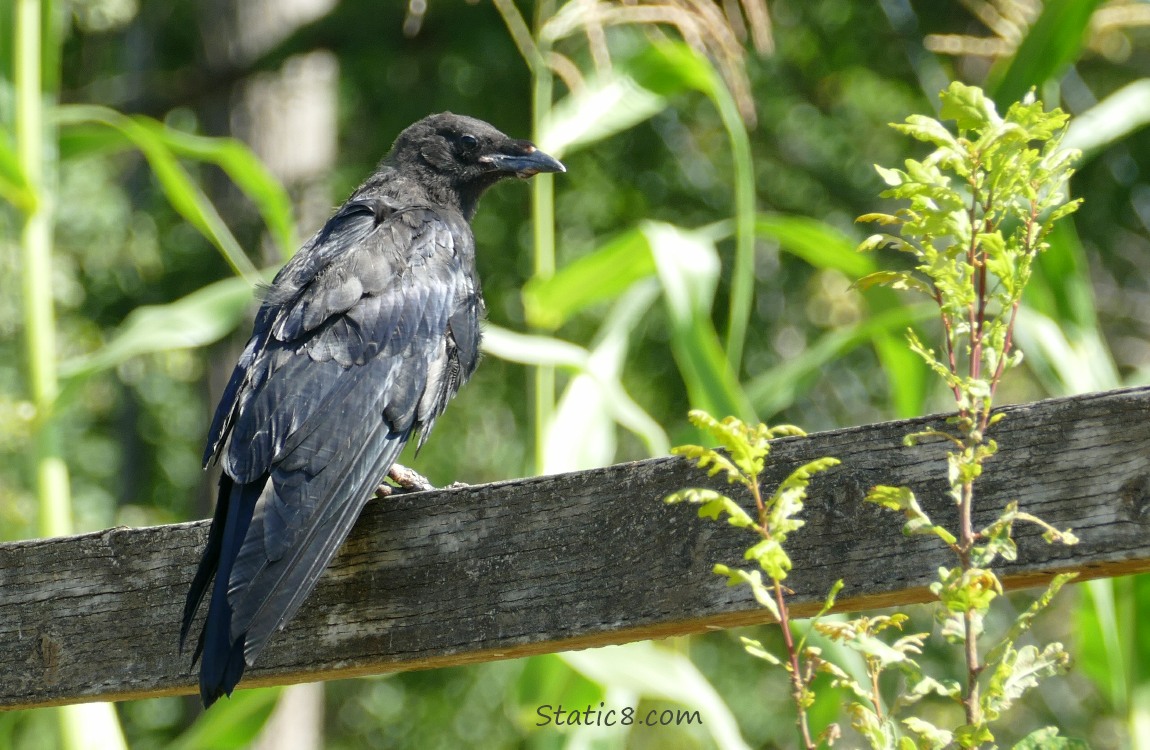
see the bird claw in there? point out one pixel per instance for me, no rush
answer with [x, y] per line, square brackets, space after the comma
[406, 480]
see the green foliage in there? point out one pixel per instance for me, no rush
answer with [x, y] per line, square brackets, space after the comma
[161, 146]
[981, 207]
[741, 459]
[902, 500]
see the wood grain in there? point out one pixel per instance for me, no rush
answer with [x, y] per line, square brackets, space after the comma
[573, 560]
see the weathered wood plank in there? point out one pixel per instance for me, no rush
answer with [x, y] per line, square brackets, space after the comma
[570, 561]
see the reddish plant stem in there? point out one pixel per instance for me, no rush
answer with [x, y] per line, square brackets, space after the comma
[798, 688]
[948, 337]
[977, 319]
[875, 699]
[798, 684]
[970, 701]
[972, 261]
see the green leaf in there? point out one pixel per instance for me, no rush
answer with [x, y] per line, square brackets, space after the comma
[1047, 738]
[14, 186]
[1053, 42]
[1019, 671]
[236, 723]
[179, 187]
[245, 169]
[713, 505]
[736, 516]
[928, 130]
[925, 686]
[529, 349]
[902, 500]
[203, 317]
[968, 107]
[747, 445]
[607, 104]
[971, 735]
[901, 280]
[688, 268]
[879, 733]
[771, 557]
[709, 457]
[814, 241]
[754, 579]
[998, 539]
[892, 177]
[755, 649]
[1023, 622]
[963, 591]
[582, 432]
[932, 737]
[670, 68]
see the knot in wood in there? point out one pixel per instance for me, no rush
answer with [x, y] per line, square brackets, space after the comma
[1135, 498]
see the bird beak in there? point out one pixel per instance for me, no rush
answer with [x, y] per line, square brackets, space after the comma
[524, 165]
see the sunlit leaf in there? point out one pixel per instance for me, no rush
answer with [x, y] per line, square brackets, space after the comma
[1019, 671]
[92, 726]
[232, 723]
[659, 673]
[1054, 40]
[1068, 360]
[1048, 738]
[816, 242]
[14, 186]
[671, 68]
[245, 169]
[582, 431]
[179, 187]
[606, 105]
[545, 350]
[688, 267]
[598, 276]
[931, 736]
[1110, 120]
[755, 649]
[202, 317]
[754, 579]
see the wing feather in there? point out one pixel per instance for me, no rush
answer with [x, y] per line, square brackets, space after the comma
[357, 347]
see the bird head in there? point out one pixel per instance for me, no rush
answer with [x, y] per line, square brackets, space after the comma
[467, 155]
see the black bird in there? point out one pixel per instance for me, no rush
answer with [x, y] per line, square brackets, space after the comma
[360, 342]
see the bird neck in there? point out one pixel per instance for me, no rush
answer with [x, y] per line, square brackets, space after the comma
[414, 183]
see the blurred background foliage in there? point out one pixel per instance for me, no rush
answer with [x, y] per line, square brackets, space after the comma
[699, 252]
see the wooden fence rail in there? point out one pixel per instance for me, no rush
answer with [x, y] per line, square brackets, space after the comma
[574, 560]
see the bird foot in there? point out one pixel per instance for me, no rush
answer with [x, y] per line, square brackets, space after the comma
[406, 480]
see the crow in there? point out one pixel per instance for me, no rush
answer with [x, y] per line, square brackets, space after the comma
[359, 343]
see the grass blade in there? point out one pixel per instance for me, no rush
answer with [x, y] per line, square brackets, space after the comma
[1053, 43]
[179, 187]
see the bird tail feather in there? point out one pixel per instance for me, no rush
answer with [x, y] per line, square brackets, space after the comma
[223, 660]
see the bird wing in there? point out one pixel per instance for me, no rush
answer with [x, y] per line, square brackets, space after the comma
[358, 346]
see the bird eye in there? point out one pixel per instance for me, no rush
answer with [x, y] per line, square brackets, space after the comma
[468, 141]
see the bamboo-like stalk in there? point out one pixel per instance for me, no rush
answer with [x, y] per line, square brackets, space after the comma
[55, 517]
[743, 269]
[534, 53]
[543, 223]
[94, 725]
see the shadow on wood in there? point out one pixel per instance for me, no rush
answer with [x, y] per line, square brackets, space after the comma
[574, 560]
